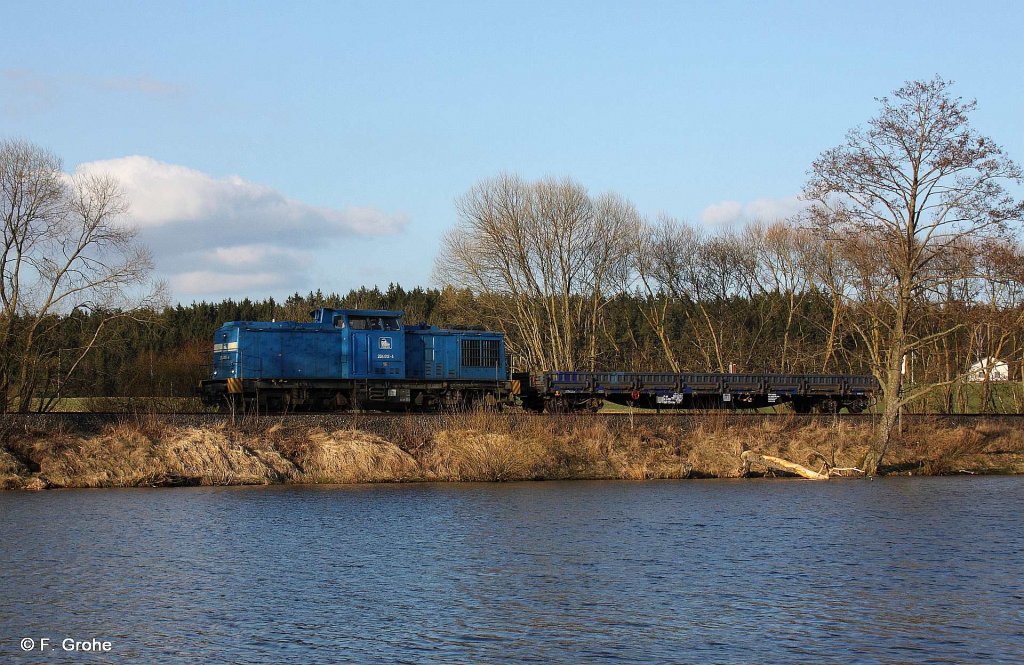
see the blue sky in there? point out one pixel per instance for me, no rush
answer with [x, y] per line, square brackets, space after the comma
[280, 147]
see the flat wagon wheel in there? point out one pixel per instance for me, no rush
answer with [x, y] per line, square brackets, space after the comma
[555, 405]
[801, 405]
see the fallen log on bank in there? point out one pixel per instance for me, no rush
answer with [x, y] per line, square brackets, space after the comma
[777, 463]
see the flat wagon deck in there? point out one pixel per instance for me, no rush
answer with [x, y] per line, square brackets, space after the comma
[567, 391]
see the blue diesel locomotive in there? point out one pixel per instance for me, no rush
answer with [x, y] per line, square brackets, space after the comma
[354, 359]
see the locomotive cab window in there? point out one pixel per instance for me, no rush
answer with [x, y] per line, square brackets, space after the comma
[373, 322]
[339, 321]
[480, 353]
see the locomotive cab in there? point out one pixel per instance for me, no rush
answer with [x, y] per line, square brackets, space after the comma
[372, 341]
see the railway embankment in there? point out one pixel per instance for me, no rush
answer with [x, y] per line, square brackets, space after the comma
[163, 450]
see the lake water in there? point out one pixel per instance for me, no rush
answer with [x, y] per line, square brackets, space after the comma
[923, 570]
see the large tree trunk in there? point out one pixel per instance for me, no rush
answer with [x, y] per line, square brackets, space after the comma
[891, 405]
[880, 443]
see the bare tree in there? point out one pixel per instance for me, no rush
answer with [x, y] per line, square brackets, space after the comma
[781, 275]
[64, 247]
[719, 273]
[548, 253]
[908, 187]
[705, 278]
[608, 246]
[657, 257]
[831, 275]
[999, 272]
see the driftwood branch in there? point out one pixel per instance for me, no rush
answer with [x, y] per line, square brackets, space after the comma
[750, 457]
[777, 463]
[840, 470]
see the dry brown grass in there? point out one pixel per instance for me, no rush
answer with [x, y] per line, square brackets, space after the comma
[483, 445]
[128, 456]
[989, 447]
[119, 457]
[480, 446]
[215, 457]
[487, 446]
[475, 455]
[351, 457]
[12, 471]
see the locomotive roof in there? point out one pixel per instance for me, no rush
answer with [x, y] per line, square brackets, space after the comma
[320, 316]
[360, 312]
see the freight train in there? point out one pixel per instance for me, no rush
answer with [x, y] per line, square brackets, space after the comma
[349, 359]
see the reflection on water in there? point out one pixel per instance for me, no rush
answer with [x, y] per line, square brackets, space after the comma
[894, 571]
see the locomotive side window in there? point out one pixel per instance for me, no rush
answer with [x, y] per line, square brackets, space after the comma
[373, 322]
[339, 321]
[480, 353]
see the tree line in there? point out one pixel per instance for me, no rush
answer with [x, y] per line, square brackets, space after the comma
[168, 351]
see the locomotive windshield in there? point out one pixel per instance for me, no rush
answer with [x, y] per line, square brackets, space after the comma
[373, 323]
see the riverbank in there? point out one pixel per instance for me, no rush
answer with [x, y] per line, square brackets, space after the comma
[150, 451]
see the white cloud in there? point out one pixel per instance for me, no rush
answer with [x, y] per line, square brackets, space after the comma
[230, 236]
[724, 212]
[727, 213]
[162, 194]
[249, 256]
[770, 210]
[207, 282]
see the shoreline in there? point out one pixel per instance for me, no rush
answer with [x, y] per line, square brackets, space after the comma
[155, 451]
